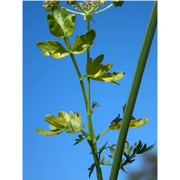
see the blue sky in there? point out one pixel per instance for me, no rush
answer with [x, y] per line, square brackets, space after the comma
[51, 85]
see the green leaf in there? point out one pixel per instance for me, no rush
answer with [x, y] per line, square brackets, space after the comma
[66, 22]
[99, 72]
[75, 119]
[52, 48]
[74, 130]
[145, 149]
[115, 126]
[137, 147]
[83, 42]
[91, 169]
[59, 14]
[47, 133]
[79, 139]
[64, 122]
[133, 124]
[102, 149]
[69, 24]
[57, 122]
[111, 77]
[95, 69]
[55, 27]
[53, 128]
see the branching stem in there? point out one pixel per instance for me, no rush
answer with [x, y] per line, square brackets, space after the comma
[78, 72]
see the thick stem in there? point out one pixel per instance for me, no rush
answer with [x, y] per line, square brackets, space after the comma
[134, 92]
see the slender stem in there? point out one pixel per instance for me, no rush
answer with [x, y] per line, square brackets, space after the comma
[103, 9]
[90, 125]
[102, 133]
[134, 92]
[92, 143]
[78, 72]
[96, 160]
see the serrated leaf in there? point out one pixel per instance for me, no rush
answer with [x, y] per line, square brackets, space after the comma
[95, 70]
[93, 67]
[99, 72]
[52, 48]
[83, 42]
[64, 122]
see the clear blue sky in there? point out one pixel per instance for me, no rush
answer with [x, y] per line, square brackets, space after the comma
[51, 85]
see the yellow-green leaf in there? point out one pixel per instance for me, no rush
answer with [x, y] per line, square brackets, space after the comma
[75, 119]
[99, 72]
[82, 42]
[138, 123]
[134, 123]
[115, 126]
[55, 27]
[74, 130]
[52, 48]
[47, 133]
[111, 77]
[95, 69]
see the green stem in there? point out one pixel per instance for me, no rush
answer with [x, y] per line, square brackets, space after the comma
[92, 143]
[90, 124]
[96, 160]
[102, 133]
[134, 92]
[78, 72]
